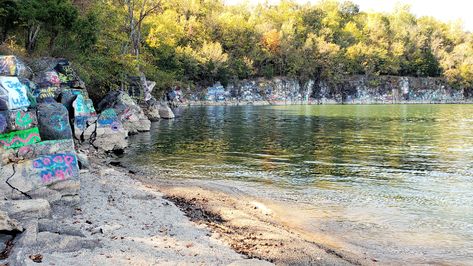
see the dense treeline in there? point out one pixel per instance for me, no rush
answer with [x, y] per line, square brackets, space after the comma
[197, 42]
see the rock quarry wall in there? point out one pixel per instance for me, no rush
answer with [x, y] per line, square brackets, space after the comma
[353, 90]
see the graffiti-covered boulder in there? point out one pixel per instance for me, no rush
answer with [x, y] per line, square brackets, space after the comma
[68, 96]
[17, 120]
[165, 112]
[17, 139]
[10, 65]
[34, 150]
[83, 106]
[130, 114]
[53, 121]
[42, 172]
[67, 75]
[110, 133]
[84, 117]
[13, 94]
[32, 91]
[47, 79]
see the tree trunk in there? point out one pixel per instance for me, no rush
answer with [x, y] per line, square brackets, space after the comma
[32, 37]
[4, 35]
[52, 41]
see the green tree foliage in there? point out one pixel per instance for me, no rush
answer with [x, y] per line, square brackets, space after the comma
[198, 42]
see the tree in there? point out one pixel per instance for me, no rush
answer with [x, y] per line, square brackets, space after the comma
[8, 18]
[53, 15]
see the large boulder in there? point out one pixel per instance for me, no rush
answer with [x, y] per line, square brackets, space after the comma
[48, 86]
[17, 120]
[53, 120]
[84, 117]
[165, 112]
[130, 114]
[10, 65]
[152, 112]
[68, 96]
[42, 172]
[13, 94]
[17, 139]
[67, 75]
[110, 134]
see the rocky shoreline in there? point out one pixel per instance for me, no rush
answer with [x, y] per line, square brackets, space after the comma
[57, 202]
[118, 221]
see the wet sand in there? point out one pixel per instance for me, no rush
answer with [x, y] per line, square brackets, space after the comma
[252, 226]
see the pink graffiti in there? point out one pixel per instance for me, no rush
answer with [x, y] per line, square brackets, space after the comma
[56, 167]
[24, 141]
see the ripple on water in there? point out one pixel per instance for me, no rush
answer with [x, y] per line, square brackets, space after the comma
[393, 181]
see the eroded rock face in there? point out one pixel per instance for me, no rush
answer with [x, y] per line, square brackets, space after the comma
[130, 114]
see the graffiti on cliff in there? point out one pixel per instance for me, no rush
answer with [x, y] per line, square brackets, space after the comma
[56, 167]
[20, 138]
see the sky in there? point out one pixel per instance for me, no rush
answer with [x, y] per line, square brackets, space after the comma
[445, 10]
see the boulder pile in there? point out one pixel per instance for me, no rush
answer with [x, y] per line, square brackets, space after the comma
[36, 146]
[44, 118]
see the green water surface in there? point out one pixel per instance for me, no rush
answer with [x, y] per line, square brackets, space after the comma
[395, 181]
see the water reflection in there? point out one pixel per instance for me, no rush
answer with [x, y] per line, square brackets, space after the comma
[396, 179]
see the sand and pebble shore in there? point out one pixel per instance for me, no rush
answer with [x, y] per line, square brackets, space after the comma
[120, 221]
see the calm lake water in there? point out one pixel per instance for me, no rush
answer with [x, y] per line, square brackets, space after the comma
[392, 181]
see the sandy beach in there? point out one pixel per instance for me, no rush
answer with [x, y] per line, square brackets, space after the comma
[120, 221]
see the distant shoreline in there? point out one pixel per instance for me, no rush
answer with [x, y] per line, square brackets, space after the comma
[281, 103]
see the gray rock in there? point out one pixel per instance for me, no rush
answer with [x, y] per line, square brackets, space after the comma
[46, 225]
[152, 112]
[27, 209]
[165, 112]
[7, 224]
[83, 161]
[51, 242]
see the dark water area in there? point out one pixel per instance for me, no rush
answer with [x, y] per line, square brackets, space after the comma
[392, 181]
